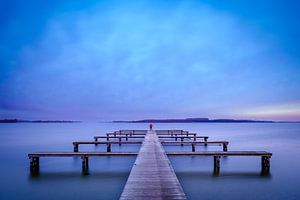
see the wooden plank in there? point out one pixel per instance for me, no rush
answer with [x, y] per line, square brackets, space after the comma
[221, 153]
[114, 142]
[204, 153]
[169, 131]
[129, 134]
[75, 154]
[131, 131]
[152, 176]
[182, 136]
[119, 136]
[191, 142]
[183, 133]
[143, 132]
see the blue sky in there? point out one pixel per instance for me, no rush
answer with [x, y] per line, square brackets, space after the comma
[102, 60]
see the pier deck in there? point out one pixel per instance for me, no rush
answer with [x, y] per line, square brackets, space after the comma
[152, 160]
[108, 144]
[192, 143]
[79, 154]
[152, 176]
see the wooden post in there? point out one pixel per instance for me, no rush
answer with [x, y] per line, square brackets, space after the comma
[85, 165]
[115, 134]
[224, 146]
[193, 147]
[172, 133]
[34, 165]
[175, 137]
[265, 164]
[130, 133]
[75, 147]
[120, 139]
[195, 137]
[216, 165]
[96, 139]
[182, 141]
[108, 147]
[187, 133]
[107, 136]
[205, 140]
[126, 137]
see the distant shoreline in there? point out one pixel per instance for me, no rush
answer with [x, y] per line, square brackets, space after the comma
[133, 122]
[182, 121]
[36, 121]
[201, 120]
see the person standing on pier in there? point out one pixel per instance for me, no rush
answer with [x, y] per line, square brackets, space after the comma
[151, 126]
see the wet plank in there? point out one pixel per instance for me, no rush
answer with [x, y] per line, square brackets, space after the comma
[152, 176]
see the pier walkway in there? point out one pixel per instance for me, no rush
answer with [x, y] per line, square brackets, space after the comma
[152, 176]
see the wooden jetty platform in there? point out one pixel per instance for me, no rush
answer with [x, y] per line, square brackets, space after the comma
[35, 158]
[152, 176]
[158, 132]
[141, 134]
[182, 137]
[192, 143]
[127, 136]
[145, 131]
[265, 157]
[108, 144]
[119, 137]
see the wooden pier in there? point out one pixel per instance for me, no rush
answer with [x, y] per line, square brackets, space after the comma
[128, 136]
[108, 144]
[192, 143]
[265, 157]
[152, 176]
[35, 158]
[158, 132]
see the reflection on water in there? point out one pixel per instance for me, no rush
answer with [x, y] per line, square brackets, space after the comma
[60, 178]
[224, 175]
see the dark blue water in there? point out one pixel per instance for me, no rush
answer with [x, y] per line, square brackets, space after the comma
[61, 177]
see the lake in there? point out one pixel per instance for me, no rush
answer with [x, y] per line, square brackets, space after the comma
[61, 178]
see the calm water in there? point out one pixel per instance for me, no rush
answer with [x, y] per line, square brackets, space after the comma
[61, 178]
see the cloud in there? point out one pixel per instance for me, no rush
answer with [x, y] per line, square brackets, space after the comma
[148, 60]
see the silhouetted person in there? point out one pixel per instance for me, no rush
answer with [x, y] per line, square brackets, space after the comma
[151, 126]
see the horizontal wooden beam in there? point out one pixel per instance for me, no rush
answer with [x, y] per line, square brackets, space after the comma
[109, 142]
[221, 153]
[80, 154]
[119, 136]
[183, 133]
[194, 142]
[204, 153]
[128, 134]
[182, 136]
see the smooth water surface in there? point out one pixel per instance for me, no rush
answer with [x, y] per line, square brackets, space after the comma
[60, 178]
